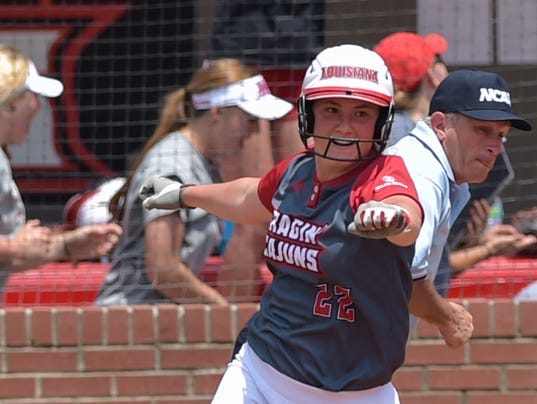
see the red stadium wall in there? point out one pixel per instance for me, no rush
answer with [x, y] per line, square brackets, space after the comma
[176, 354]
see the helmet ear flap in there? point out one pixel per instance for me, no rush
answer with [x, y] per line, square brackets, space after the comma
[305, 119]
[383, 126]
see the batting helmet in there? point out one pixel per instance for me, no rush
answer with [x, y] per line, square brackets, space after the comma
[347, 71]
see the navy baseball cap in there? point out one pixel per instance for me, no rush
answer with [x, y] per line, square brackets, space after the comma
[476, 94]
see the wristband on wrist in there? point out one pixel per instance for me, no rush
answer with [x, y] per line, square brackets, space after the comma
[183, 205]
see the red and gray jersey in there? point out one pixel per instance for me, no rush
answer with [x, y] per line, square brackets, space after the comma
[336, 313]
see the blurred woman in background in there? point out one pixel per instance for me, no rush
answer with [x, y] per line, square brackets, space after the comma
[26, 244]
[201, 132]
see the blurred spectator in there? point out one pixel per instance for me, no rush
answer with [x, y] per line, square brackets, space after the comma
[525, 221]
[278, 39]
[26, 244]
[92, 206]
[484, 241]
[417, 69]
[203, 127]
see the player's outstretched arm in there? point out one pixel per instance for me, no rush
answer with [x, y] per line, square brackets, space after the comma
[236, 200]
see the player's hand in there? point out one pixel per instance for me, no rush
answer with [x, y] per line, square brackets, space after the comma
[379, 220]
[459, 330]
[161, 193]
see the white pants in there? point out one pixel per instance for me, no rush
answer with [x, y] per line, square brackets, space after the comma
[249, 380]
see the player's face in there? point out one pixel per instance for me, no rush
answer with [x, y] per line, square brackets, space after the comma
[340, 122]
[22, 111]
[472, 146]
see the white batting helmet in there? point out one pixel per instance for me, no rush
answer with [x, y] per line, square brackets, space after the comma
[348, 71]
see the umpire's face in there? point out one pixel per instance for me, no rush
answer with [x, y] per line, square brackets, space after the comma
[471, 145]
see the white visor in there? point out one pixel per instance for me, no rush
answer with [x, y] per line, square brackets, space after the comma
[41, 85]
[252, 95]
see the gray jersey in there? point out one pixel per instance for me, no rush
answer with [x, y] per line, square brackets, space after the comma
[126, 282]
[12, 211]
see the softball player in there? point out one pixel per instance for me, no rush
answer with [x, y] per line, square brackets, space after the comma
[333, 324]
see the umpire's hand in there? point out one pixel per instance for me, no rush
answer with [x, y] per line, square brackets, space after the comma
[459, 329]
[161, 193]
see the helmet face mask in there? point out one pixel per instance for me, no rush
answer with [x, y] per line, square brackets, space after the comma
[306, 122]
[368, 81]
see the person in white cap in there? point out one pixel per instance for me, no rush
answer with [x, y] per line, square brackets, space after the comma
[333, 324]
[26, 244]
[202, 129]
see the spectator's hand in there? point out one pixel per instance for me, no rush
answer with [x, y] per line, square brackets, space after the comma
[161, 193]
[379, 220]
[506, 240]
[477, 223]
[92, 241]
[459, 330]
[32, 243]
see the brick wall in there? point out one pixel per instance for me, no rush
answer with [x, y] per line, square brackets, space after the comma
[176, 354]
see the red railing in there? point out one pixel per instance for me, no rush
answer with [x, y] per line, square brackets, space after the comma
[62, 284]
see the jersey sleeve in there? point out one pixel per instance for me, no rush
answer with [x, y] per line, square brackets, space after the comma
[386, 176]
[269, 182]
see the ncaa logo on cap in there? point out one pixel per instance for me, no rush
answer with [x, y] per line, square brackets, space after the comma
[493, 94]
[476, 94]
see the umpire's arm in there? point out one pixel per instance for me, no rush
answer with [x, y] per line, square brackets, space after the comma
[453, 320]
